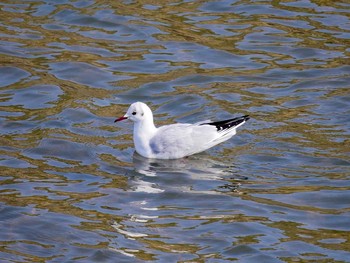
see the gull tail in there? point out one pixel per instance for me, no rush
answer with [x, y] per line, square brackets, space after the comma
[228, 124]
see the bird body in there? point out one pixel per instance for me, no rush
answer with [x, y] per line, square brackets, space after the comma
[176, 140]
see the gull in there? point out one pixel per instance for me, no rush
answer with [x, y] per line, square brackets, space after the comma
[177, 140]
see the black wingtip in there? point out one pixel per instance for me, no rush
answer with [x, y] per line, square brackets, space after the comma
[227, 124]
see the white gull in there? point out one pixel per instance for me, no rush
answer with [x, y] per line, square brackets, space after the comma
[176, 140]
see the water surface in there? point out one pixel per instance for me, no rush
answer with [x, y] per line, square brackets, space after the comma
[73, 190]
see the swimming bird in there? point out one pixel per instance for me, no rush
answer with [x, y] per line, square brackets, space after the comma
[176, 140]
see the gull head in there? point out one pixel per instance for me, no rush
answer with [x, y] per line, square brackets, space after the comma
[137, 112]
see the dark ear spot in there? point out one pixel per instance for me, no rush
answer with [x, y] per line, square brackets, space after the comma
[142, 114]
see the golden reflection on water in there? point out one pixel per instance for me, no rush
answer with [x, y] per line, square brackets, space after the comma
[71, 68]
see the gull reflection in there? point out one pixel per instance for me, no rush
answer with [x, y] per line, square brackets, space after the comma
[184, 175]
[197, 167]
[146, 187]
[157, 181]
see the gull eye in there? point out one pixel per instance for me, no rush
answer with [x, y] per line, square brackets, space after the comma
[133, 113]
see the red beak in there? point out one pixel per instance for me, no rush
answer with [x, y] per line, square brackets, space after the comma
[121, 118]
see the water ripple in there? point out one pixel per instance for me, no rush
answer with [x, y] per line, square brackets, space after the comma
[72, 188]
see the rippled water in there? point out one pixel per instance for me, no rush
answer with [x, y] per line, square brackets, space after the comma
[72, 189]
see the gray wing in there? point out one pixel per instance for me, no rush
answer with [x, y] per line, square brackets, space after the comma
[179, 140]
